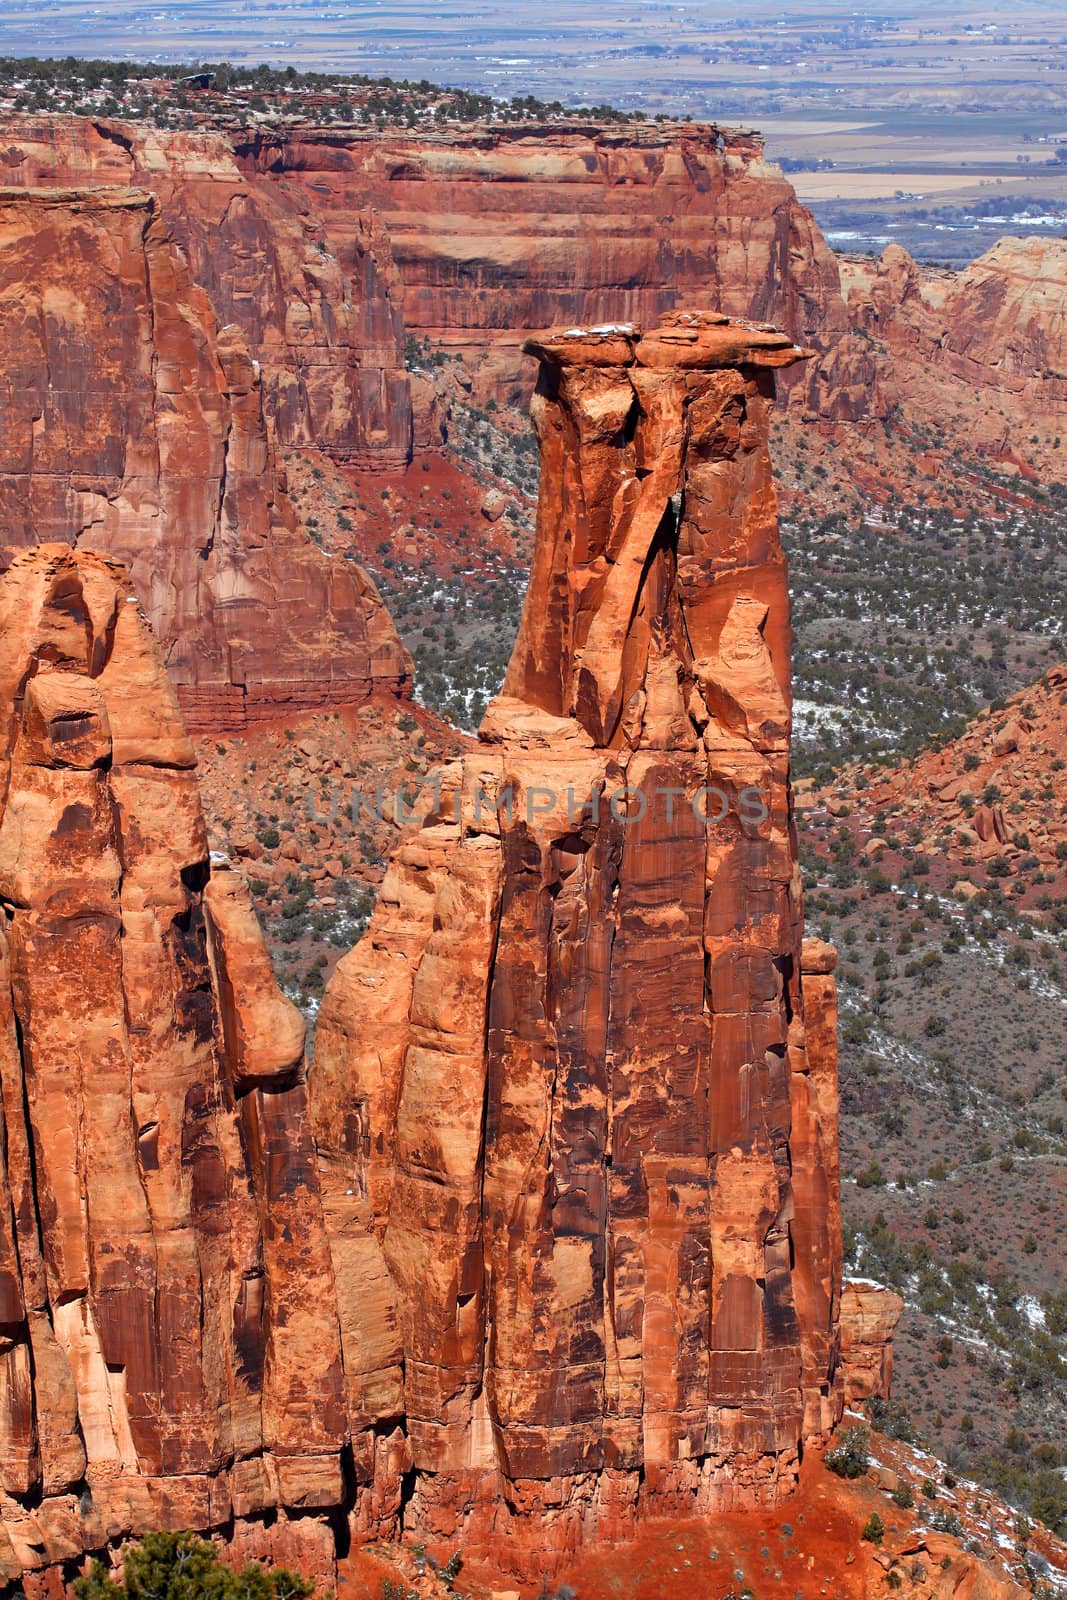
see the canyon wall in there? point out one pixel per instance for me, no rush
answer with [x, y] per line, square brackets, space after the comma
[298, 261]
[134, 423]
[575, 1090]
[324, 246]
[980, 353]
[497, 233]
[319, 313]
[169, 1337]
[327, 247]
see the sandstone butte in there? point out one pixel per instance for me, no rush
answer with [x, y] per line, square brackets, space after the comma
[555, 1243]
[131, 420]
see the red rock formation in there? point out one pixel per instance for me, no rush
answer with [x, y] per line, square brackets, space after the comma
[497, 232]
[325, 245]
[132, 422]
[169, 1339]
[318, 312]
[982, 353]
[322, 245]
[575, 1091]
[869, 1316]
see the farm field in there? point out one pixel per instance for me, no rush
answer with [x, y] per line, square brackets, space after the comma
[939, 126]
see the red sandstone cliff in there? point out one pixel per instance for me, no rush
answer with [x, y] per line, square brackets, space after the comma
[577, 1081]
[317, 310]
[981, 353]
[325, 246]
[570, 1250]
[169, 1339]
[131, 421]
[497, 233]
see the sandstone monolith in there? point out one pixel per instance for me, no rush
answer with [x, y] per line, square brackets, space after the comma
[169, 1337]
[575, 1091]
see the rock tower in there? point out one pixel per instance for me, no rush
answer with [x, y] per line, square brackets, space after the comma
[575, 1091]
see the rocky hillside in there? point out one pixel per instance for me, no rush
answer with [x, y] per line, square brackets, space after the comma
[944, 884]
[986, 812]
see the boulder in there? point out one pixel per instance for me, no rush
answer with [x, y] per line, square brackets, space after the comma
[869, 1316]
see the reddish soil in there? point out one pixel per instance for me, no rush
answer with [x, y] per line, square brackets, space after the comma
[810, 1547]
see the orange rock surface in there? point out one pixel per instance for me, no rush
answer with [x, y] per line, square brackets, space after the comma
[134, 423]
[575, 1091]
[555, 1252]
[169, 1339]
[869, 1315]
[317, 311]
[981, 353]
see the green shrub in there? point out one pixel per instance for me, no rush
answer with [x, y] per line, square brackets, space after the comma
[181, 1566]
[874, 1529]
[850, 1456]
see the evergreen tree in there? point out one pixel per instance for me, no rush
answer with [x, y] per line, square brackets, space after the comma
[180, 1566]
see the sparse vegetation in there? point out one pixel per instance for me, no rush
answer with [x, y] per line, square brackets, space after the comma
[182, 1566]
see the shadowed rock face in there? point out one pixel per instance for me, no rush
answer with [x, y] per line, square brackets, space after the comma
[169, 1341]
[132, 422]
[578, 1081]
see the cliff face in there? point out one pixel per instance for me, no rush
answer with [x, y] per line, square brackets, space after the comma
[131, 421]
[577, 1080]
[326, 247]
[983, 352]
[169, 1339]
[318, 312]
[498, 233]
[556, 1247]
[323, 246]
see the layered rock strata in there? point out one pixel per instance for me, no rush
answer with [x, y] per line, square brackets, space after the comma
[497, 232]
[981, 354]
[575, 1091]
[169, 1338]
[869, 1316]
[132, 422]
[319, 311]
